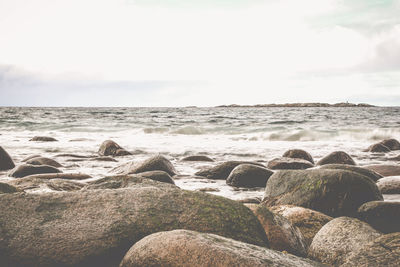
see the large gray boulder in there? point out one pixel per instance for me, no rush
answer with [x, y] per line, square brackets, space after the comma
[379, 148]
[289, 164]
[339, 238]
[382, 215]
[97, 227]
[43, 161]
[222, 170]
[337, 157]
[385, 169]
[363, 171]
[332, 192]
[382, 252]
[110, 148]
[155, 163]
[248, 175]
[6, 162]
[389, 185]
[189, 248]
[27, 169]
[298, 154]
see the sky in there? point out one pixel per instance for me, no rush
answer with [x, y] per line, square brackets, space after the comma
[198, 52]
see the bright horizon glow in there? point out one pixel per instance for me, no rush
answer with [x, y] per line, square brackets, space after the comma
[202, 53]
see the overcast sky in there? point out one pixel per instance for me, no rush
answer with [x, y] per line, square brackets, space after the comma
[198, 52]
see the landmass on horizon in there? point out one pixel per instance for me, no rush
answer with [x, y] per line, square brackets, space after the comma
[298, 105]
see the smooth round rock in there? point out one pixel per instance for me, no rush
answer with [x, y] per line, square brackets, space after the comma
[110, 148]
[339, 238]
[155, 163]
[248, 175]
[337, 157]
[308, 221]
[360, 170]
[385, 169]
[43, 161]
[289, 164]
[298, 154]
[198, 158]
[392, 144]
[43, 139]
[188, 248]
[378, 147]
[27, 169]
[384, 216]
[332, 192]
[389, 185]
[6, 162]
[222, 170]
[382, 252]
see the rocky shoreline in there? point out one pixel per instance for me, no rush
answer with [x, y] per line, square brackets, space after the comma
[328, 212]
[300, 105]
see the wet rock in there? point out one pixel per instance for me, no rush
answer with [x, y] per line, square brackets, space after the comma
[392, 144]
[160, 176]
[110, 148]
[27, 169]
[6, 162]
[43, 161]
[189, 248]
[282, 236]
[289, 164]
[337, 157]
[332, 192]
[68, 176]
[43, 139]
[222, 170]
[30, 157]
[385, 169]
[339, 238]
[308, 221]
[378, 147]
[384, 216]
[97, 227]
[248, 175]
[363, 171]
[6, 188]
[298, 154]
[389, 185]
[198, 158]
[31, 183]
[382, 252]
[155, 163]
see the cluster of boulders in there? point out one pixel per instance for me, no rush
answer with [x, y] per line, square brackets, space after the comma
[330, 213]
[384, 146]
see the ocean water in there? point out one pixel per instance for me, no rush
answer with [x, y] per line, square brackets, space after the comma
[256, 134]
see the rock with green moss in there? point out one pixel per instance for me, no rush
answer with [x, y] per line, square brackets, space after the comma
[337, 157]
[221, 171]
[332, 192]
[363, 171]
[97, 227]
[382, 215]
[6, 162]
[190, 248]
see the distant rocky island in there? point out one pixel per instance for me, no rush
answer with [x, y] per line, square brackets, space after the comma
[297, 105]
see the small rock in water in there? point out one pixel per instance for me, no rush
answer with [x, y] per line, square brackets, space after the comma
[6, 162]
[27, 169]
[337, 157]
[385, 169]
[289, 164]
[222, 170]
[110, 148]
[378, 147]
[248, 175]
[298, 154]
[43, 139]
[339, 238]
[43, 161]
[392, 144]
[198, 158]
[190, 248]
[384, 216]
[155, 163]
[389, 185]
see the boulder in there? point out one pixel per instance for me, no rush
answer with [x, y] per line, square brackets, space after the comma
[282, 235]
[392, 144]
[43, 139]
[382, 252]
[69, 176]
[389, 185]
[6, 162]
[337, 157]
[363, 171]
[43, 161]
[32, 183]
[378, 147]
[97, 227]
[248, 175]
[289, 164]
[198, 158]
[385, 169]
[384, 216]
[332, 192]
[110, 148]
[339, 238]
[298, 154]
[222, 170]
[6, 188]
[155, 163]
[27, 169]
[189, 248]
[309, 222]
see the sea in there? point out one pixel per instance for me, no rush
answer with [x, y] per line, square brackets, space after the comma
[222, 133]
